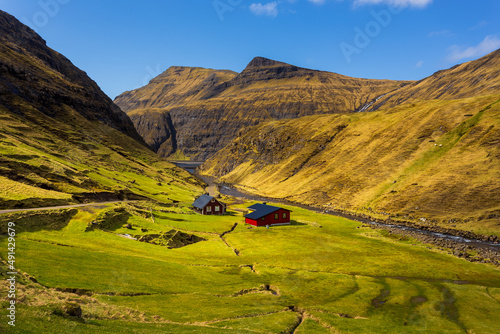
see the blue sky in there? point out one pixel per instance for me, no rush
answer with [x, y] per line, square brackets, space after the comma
[123, 44]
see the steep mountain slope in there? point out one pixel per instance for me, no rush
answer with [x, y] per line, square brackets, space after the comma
[62, 140]
[437, 159]
[199, 111]
[26, 63]
[474, 78]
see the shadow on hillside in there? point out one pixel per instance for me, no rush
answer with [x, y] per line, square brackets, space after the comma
[230, 213]
[296, 223]
[38, 221]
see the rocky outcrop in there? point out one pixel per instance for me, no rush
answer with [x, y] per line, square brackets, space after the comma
[159, 132]
[171, 239]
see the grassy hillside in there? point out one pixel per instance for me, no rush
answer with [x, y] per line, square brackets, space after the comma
[198, 111]
[62, 140]
[48, 163]
[321, 275]
[434, 161]
[32, 75]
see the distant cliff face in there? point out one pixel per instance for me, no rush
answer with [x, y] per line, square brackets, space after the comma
[177, 85]
[159, 133]
[27, 63]
[208, 108]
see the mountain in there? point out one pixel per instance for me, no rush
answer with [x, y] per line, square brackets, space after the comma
[196, 111]
[475, 78]
[425, 159]
[62, 140]
[27, 62]
[176, 85]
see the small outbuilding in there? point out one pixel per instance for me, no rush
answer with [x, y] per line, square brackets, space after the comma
[263, 215]
[208, 205]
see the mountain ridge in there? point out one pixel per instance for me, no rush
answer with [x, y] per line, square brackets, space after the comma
[469, 79]
[264, 62]
[207, 109]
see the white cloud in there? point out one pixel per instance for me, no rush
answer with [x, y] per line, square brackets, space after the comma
[419, 64]
[317, 2]
[269, 9]
[397, 3]
[489, 44]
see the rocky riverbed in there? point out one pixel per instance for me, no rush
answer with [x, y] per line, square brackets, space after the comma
[472, 251]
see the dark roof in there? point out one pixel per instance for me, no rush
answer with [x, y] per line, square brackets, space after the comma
[202, 201]
[261, 210]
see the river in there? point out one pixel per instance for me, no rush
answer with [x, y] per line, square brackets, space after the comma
[227, 190]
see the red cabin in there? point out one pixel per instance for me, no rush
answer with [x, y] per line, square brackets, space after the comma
[264, 215]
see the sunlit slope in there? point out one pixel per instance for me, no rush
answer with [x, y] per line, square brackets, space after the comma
[49, 163]
[62, 140]
[178, 84]
[434, 160]
[199, 111]
[475, 78]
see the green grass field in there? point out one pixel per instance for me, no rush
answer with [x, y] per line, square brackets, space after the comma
[323, 275]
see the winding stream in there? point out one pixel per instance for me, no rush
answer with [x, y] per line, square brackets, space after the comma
[230, 191]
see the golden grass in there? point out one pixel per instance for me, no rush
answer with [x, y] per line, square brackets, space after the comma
[12, 190]
[479, 77]
[52, 155]
[436, 160]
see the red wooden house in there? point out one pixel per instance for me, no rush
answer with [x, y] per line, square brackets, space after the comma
[263, 215]
[208, 205]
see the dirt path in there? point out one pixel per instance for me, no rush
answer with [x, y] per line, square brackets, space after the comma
[58, 207]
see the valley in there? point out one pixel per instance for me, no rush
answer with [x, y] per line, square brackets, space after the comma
[392, 187]
[424, 152]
